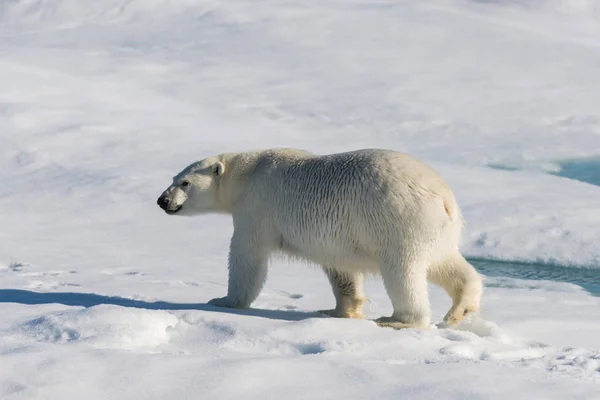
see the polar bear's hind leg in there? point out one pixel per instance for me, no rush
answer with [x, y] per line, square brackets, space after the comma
[406, 286]
[348, 291]
[462, 283]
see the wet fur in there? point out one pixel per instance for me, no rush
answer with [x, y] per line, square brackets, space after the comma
[355, 213]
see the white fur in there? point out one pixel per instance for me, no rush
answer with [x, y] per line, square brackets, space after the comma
[366, 211]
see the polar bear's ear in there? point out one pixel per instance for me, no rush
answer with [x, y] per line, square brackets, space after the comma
[218, 168]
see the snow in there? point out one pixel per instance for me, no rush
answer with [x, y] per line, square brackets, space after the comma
[104, 296]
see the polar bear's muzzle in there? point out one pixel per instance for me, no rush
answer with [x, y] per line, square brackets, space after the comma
[170, 201]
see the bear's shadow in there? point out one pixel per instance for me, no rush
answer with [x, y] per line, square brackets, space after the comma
[91, 299]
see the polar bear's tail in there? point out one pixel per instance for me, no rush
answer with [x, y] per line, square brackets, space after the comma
[451, 208]
[455, 217]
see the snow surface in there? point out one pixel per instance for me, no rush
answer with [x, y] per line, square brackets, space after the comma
[103, 296]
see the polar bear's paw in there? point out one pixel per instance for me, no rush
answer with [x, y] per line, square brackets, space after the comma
[391, 322]
[457, 314]
[335, 313]
[223, 302]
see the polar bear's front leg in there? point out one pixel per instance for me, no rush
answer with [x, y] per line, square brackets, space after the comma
[348, 291]
[247, 271]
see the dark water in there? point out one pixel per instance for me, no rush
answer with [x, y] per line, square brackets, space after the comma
[588, 279]
[584, 170]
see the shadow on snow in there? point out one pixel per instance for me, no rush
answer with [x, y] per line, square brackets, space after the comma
[92, 299]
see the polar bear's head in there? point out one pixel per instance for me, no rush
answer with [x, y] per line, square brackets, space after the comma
[195, 189]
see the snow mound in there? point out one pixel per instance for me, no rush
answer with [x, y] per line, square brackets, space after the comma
[305, 337]
[475, 341]
[102, 326]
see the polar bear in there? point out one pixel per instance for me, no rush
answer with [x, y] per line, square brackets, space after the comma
[361, 212]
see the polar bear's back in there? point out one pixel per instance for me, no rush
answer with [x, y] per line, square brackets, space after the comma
[351, 203]
[353, 180]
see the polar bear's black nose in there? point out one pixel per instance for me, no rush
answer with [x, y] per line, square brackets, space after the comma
[163, 202]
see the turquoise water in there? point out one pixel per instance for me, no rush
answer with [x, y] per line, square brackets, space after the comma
[588, 279]
[584, 170]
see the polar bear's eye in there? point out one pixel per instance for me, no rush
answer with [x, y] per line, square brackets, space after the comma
[185, 184]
